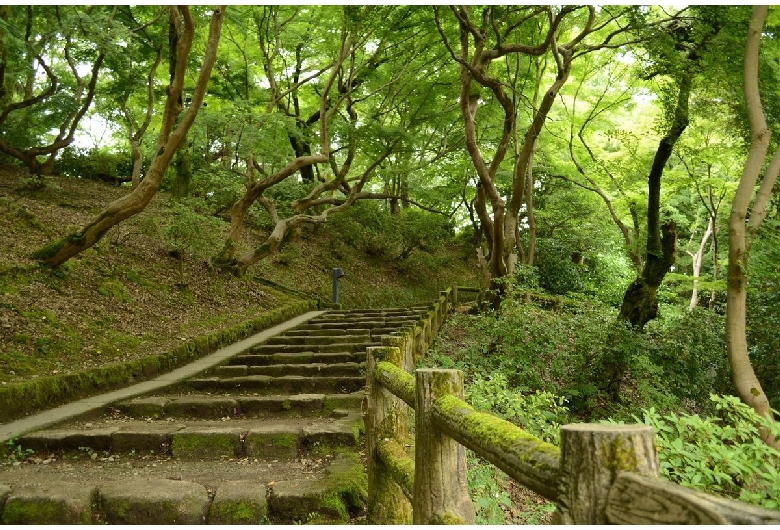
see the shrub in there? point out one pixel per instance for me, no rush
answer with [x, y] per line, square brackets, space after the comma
[95, 164]
[190, 232]
[558, 274]
[217, 186]
[723, 455]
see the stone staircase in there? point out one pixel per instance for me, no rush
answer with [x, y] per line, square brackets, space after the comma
[273, 435]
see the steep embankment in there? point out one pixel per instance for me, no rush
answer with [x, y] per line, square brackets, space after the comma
[148, 288]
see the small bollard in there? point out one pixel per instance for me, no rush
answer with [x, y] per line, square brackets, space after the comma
[337, 273]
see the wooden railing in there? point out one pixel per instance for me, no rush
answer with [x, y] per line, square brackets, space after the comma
[601, 473]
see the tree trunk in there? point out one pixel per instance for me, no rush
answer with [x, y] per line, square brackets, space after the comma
[697, 259]
[640, 302]
[168, 141]
[742, 230]
[183, 169]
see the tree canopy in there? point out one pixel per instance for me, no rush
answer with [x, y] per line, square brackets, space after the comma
[592, 149]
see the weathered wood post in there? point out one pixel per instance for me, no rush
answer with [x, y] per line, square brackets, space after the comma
[591, 456]
[418, 346]
[386, 417]
[405, 343]
[454, 295]
[440, 488]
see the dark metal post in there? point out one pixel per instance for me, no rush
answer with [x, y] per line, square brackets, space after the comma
[337, 273]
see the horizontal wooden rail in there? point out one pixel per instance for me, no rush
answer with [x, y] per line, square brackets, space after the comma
[400, 383]
[532, 462]
[601, 473]
[400, 466]
[635, 499]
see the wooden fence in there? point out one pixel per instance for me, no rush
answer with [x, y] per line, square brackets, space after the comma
[601, 473]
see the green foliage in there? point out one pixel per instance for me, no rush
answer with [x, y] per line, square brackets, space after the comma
[191, 232]
[558, 274]
[487, 490]
[14, 452]
[539, 413]
[218, 187]
[690, 352]
[723, 455]
[114, 289]
[763, 319]
[95, 164]
[369, 227]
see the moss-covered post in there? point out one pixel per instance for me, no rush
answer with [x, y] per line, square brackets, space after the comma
[405, 343]
[386, 417]
[591, 456]
[420, 347]
[440, 487]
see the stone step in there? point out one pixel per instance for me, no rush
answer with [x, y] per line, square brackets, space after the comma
[288, 384]
[327, 318]
[215, 407]
[376, 312]
[297, 332]
[306, 357]
[315, 348]
[129, 490]
[199, 439]
[318, 339]
[278, 370]
[331, 325]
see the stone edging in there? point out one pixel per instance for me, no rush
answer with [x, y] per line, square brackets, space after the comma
[21, 399]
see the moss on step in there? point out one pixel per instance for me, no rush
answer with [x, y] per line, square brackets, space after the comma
[212, 443]
[49, 505]
[239, 503]
[337, 497]
[271, 444]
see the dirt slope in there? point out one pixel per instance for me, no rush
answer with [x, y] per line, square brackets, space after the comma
[131, 296]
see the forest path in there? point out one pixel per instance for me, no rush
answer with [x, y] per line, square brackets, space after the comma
[266, 430]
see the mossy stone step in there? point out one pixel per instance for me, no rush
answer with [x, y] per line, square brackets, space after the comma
[297, 332]
[215, 407]
[359, 313]
[316, 348]
[278, 370]
[330, 495]
[290, 384]
[55, 502]
[327, 319]
[202, 439]
[360, 324]
[318, 339]
[307, 357]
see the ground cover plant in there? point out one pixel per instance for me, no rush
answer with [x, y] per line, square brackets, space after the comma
[531, 364]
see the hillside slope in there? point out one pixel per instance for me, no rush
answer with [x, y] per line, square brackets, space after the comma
[146, 287]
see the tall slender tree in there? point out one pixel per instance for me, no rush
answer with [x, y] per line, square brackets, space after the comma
[745, 221]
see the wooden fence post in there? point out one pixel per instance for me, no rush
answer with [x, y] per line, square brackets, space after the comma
[591, 456]
[405, 343]
[386, 417]
[440, 486]
[454, 296]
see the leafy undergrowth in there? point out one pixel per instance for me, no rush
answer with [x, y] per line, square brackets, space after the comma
[530, 366]
[149, 285]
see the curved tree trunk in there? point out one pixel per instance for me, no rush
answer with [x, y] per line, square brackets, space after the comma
[640, 302]
[742, 230]
[168, 141]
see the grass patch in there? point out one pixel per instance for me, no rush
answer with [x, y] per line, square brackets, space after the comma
[115, 289]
